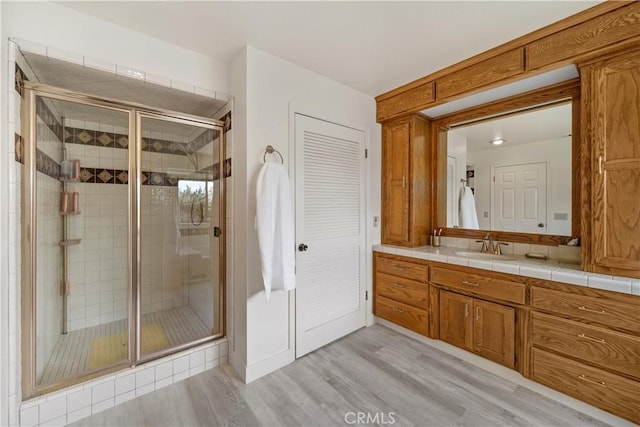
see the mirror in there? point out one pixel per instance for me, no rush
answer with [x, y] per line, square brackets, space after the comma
[524, 189]
[512, 172]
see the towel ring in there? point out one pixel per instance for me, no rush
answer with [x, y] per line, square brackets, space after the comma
[271, 150]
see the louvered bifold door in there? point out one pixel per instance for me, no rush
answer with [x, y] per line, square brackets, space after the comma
[330, 232]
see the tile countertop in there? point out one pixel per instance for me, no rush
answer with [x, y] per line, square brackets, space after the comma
[549, 269]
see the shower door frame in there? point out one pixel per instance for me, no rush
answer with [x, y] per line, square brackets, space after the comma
[29, 231]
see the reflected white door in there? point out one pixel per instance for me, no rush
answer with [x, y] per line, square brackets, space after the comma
[520, 198]
[452, 193]
[330, 222]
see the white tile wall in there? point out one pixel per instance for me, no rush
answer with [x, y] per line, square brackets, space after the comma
[98, 265]
[75, 403]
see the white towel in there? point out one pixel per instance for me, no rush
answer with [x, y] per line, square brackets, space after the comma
[468, 216]
[276, 228]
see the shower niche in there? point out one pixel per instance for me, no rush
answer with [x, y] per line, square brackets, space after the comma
[122, 246]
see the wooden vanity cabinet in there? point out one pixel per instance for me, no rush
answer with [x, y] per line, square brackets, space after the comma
[406, 191]
[611, 106]
[456, 321]
[483, 327]
[586, 343]
[401, 293]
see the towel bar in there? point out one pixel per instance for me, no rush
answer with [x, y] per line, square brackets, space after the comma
[271, 150]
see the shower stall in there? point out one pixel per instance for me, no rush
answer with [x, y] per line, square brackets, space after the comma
[123, 251]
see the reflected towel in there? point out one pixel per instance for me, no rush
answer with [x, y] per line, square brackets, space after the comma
[275, 225]
[468, 216]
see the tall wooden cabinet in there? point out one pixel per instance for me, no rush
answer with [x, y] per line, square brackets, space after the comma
[612, 121]
[406, 188]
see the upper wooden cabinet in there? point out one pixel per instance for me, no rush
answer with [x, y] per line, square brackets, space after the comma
[611, 103]
[406, 191]
[583, 36]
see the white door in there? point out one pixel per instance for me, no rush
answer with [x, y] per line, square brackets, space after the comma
[453, 192]
[520, 198]
[330, 223]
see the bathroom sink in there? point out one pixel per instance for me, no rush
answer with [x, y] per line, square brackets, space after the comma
[485, 256]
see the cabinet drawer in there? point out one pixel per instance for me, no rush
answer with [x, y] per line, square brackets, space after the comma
[610, 392]
[480, 285]
[408, 270]
[601, 310]
[608, 349]
[403, 290]
[402, 314]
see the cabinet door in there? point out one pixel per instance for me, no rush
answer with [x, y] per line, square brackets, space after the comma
[494, 332]
[615, 126]
[395, 183]
[456, 321]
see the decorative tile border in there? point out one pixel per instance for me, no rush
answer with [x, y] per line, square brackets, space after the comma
[226, 127]
[20, 78]
[47, 165]
[97, 138]
[19, 148]
[51, 168]
[201, 141]
[46, 115]
[119, 176]
[119, 140]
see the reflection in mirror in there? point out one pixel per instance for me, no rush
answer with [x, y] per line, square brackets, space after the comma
[512, 172]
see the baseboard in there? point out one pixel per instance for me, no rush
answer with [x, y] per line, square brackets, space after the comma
[511, 375]
[266, 366]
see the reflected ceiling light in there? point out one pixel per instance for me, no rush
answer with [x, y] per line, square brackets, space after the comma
[497, 141]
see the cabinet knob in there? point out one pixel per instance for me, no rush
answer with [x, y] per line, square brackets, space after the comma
[302, 247]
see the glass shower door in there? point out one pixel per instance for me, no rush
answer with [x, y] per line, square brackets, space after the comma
[180, 242]
[77, 189]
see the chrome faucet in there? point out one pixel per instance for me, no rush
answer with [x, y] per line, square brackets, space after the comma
[489, 246]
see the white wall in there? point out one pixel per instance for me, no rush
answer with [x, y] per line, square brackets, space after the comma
[4, 232]
[557, 154]
[274, 88]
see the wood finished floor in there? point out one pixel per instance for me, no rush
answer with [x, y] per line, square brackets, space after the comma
[71, 354]
[373, 370]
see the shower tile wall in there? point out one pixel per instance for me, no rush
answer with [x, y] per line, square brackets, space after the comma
[167, 264]
[162, 281]
[98, 266]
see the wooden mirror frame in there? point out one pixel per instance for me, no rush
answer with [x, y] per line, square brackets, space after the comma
[557, 93]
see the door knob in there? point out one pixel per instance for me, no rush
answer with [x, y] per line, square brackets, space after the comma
[541, 225]
[302, 247]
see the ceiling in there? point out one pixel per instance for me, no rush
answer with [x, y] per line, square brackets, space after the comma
[370, 46]
[542, 124]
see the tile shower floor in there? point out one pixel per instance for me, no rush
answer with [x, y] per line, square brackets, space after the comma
[72, 352]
